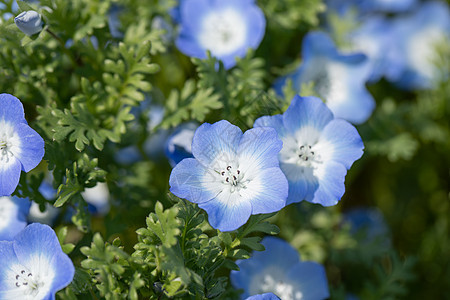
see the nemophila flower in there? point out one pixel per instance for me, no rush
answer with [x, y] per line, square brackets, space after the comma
[13, 216]
[369, 224]
[317, 150]
[97, 198]
[375, 38]
[266, 296]
[364, 7]
[33, 265]
[279, 270]
[178, 144]
[232, 175]
[226, 28]
[21, 148]
[338, 79]
[29, 22]
[418, 37]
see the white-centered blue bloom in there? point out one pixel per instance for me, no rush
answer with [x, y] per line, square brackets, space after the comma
[338, 79]
[232, 175]
[226, 28]
[375, 39]
[417, 38]
[21, 148]
[29, 22]
[33, 266]
[317, 150]
[97, 198]
[265, 296]
[13, 216]
[178, 144]
[279, 270]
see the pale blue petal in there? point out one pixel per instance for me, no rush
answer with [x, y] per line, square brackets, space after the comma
[9, 176]
[266, 296]
[276, 122]
[228, 211]
[345, 140]
[214, 141]
[15, 211]
[310, 279]
[269, 193]
[189, 180]
[7, 260]
[11, 109]
[258, 149]
[39, 240]
[331, 185]
[32, 147]
[306, 111]
[317, 43]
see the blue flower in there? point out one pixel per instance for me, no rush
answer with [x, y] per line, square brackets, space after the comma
[317, 150]
[178, 144]
[365, 7]
[29, 22]
[13, 216]
[279, 270]
[226, 28]
[232, 175]
[33, 265]
[417, 37]
[21, 148]
[338, 79]
[97, 198]
[369, 223]
[375, 39]
[266, 296]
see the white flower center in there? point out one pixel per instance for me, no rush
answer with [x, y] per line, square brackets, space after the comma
[282, 289]
[423, 55]
[28, 283]
[223, 32]
[7, 211]
[232, 178]
[9, 143]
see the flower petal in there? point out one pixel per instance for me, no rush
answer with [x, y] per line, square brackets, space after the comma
[310, 279]
[267, 192]
[38, 249]
[306, 112]
[218, 141]
[7, 260]
[192, 181]
[9, 176]
[228, 211]
[31, 148]
[11, 109]
[276, 122]
[340, 142]
[331, 178]
[258, 149]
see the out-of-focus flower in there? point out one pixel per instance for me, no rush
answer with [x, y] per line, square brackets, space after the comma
[375, 39]
[13, 215]
[226, 28]
[365, 7]
[114, 21]
[97, 198]
[279, 270]
[338, 79]
[317, 150]
[417, 38]
[178, 144]
[21, 148]
[266, 296]
[232, 175]
[29, 22]
[33, 265]
[370, 223]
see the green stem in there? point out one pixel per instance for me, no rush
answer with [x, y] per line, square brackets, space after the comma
[66, 51]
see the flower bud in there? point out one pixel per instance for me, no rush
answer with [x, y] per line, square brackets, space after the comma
[29, 22]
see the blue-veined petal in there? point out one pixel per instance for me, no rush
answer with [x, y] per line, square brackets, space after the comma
[31, 148]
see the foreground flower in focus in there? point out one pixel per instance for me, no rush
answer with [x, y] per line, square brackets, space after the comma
[226, 28]
[232, 175]
[279, 270]
[338, 79]
[33, 265]
[13, 216]
[317, 150]
[21, 148]
[29, 22]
